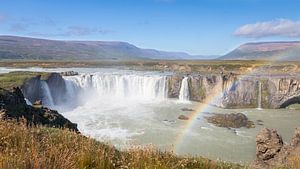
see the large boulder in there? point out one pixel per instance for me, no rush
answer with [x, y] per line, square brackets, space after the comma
[268, 144]
[272, 153]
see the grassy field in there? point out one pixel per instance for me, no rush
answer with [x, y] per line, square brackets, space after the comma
[25, 147]
[185, 66]
[15, 79]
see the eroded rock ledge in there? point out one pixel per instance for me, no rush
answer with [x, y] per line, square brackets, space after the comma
[222, 90]
[235, 91]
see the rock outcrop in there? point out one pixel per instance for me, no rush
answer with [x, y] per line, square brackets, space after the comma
[272, 153]
[234, 91]
[33, 89]
[57, 88]
[232, 120]
[222, 90]
[268, 144]
[183, 117]
[13, 106]
[69, 73]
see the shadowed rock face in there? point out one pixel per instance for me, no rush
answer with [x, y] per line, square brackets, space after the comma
[13, 106]
[32, 89]
[57, 88]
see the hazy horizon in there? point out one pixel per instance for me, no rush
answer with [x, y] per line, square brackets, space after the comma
[195, 27]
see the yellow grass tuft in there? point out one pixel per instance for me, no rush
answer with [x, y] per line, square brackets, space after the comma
[38, 147]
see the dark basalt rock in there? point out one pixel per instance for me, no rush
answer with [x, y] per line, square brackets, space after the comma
[38, 103]
[13, 106]
[183, 117]
[233, 120]
[187, 109]
[69, 73]
[57, 88]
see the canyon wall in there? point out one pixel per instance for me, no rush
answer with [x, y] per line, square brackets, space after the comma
[222, 90]
[232, 91]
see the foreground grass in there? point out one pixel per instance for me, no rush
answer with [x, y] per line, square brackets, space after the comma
[294, 107]
[40, 147]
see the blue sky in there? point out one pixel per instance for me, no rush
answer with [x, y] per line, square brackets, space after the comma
[205, 27]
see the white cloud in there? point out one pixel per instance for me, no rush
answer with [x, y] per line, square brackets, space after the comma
[278, 27]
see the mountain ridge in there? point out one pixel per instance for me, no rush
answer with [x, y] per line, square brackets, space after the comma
[27, 48]
[277, 50]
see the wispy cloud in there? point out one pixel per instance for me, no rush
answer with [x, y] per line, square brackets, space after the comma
[74, 31]
[278, 27]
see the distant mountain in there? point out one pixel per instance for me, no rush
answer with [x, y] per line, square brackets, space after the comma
[265, 51]
[13, 47]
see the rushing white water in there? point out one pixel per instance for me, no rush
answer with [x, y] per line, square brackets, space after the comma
[119, 86]
[106, 99]
[107, 106]
[259, 96]
[47, 97]
[184, 94]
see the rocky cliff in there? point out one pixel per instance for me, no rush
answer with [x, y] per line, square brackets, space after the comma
[222, 90]
[13, 106]
[234, 91]
[33, 88]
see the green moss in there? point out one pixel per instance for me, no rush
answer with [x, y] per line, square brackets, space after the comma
[14, 79]
[294, 107]
[201, 92]
[264, 94]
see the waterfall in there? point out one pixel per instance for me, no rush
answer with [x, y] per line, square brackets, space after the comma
[184, 94]
[47, 97]
[119, 86]
[259, 96]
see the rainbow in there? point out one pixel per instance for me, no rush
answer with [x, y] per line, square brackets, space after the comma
[203, 107]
